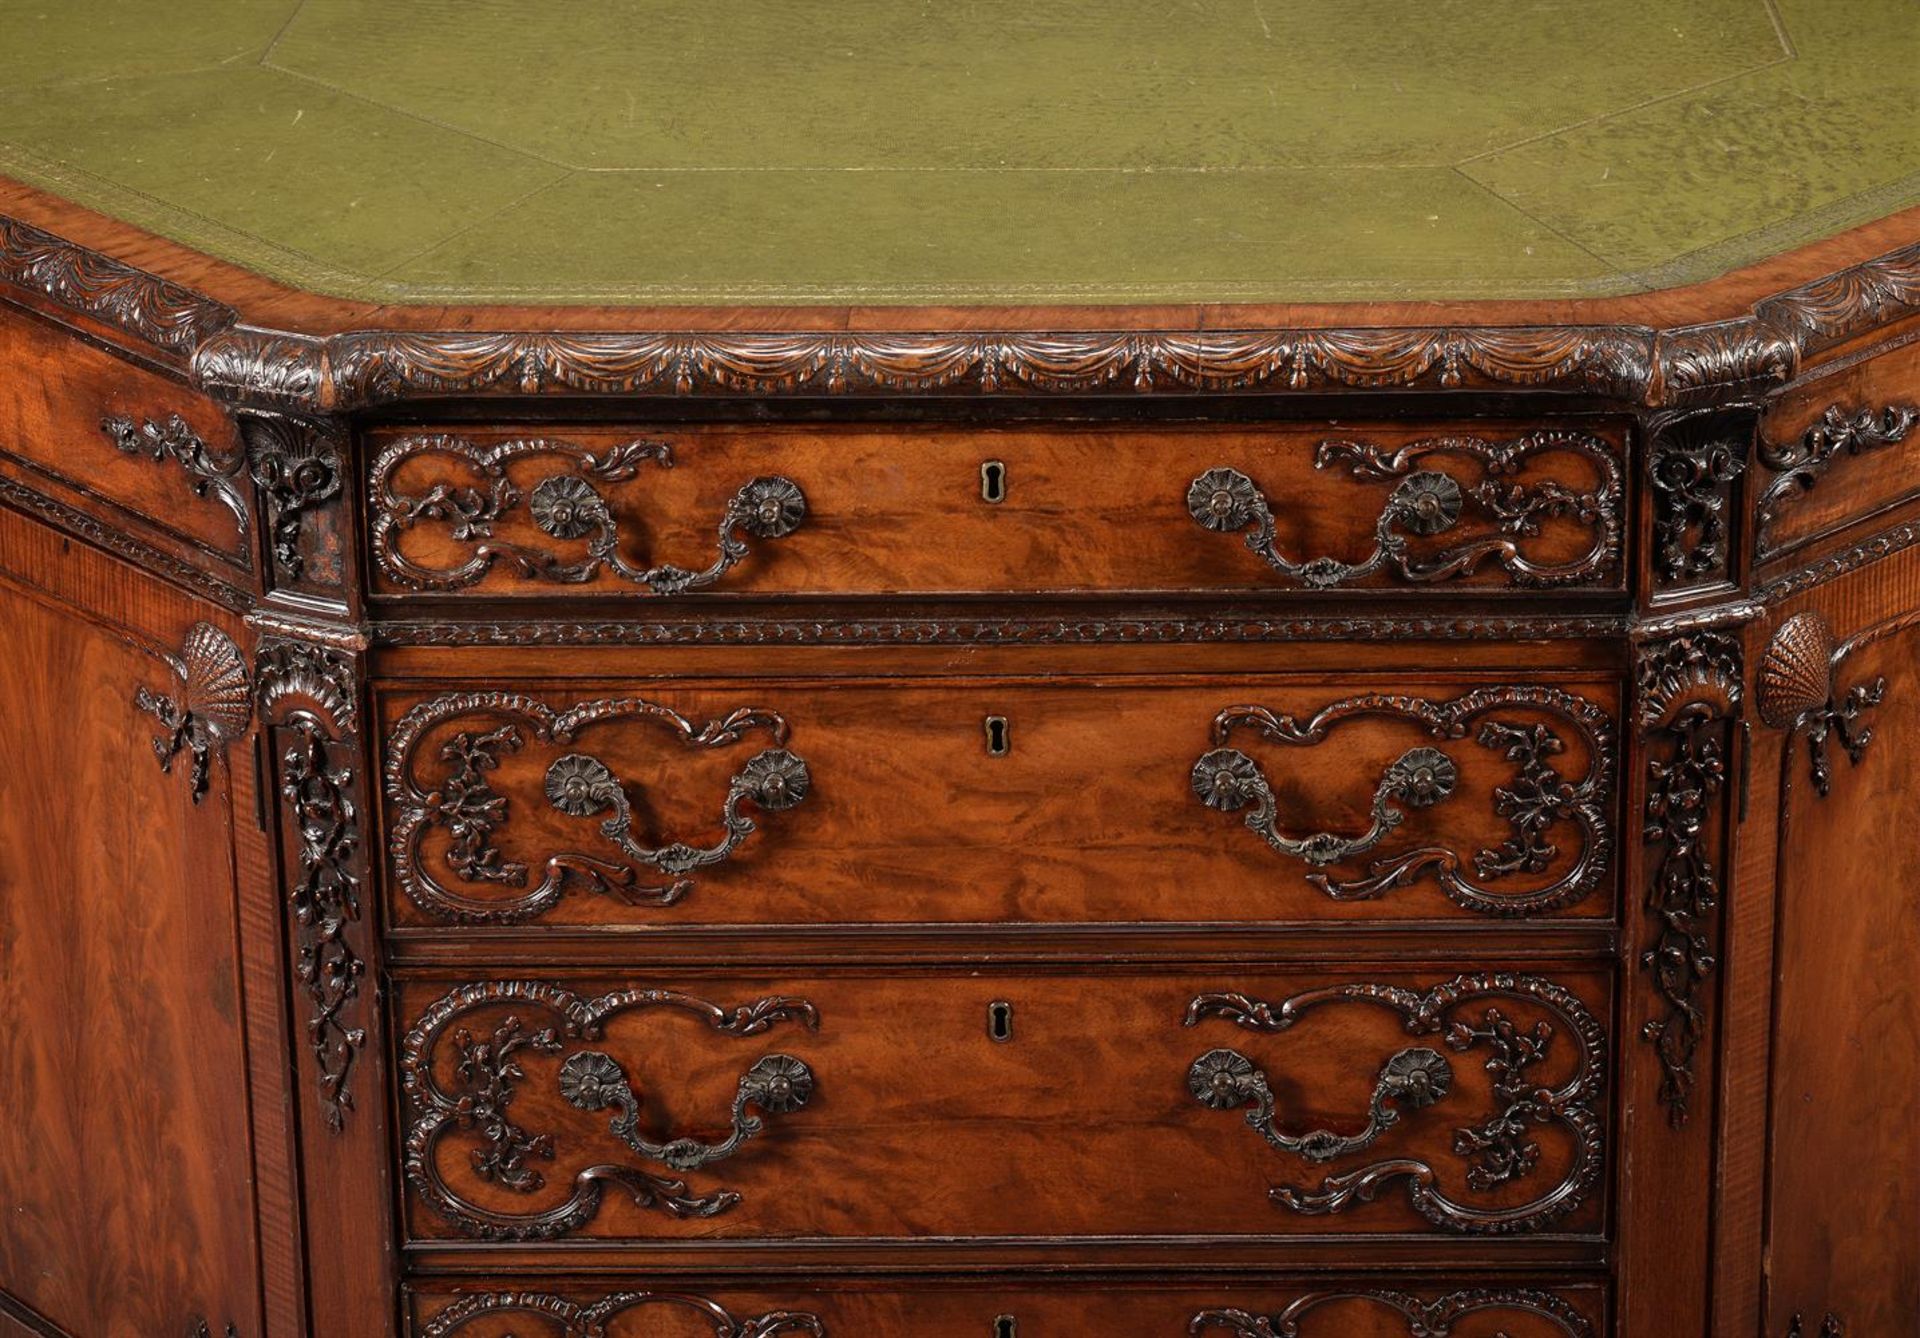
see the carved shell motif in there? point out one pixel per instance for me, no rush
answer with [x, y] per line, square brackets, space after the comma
[214, 678]
[1797, 674]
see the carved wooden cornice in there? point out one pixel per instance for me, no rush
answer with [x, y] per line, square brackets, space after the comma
[360, 369]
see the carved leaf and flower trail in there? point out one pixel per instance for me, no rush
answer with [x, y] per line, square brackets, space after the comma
[1538, 798]
[470, 1099]
[459, 798]
[1428, 502]
[568, 507]
[1497, 1150]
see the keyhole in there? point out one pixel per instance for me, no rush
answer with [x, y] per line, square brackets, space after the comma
[1006, 1327]
[999, 739]
[993, 480]
[1000, 1028]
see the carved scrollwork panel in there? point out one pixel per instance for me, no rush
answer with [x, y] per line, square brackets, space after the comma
[1838, 434]
[467, 1059]
[308, 699]
[438, 781]
[211, 707]
[1549, 1072]
[573, 532]
[1496, 514]
[173, 438]
[1689, 690]
[1695, 461]
[1424, 1318]
[1529, 727]
[558, 1317]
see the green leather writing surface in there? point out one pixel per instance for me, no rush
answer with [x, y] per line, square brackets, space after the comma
[877, 151]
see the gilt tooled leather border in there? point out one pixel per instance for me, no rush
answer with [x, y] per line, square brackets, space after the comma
[362, 369]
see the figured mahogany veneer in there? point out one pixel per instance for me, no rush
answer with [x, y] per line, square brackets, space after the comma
[1379, 822]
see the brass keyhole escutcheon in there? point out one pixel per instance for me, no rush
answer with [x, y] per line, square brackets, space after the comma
[993, 481]
[1006, 1326]
[999, 736]
[1000, 1021]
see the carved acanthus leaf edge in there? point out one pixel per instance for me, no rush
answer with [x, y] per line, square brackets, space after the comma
[364, 368]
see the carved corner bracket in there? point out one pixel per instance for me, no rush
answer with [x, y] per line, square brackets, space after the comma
[1690, 692]
[1695, 461]
[298, 464]
[308, 698]
[212, 706]
[1798, 690]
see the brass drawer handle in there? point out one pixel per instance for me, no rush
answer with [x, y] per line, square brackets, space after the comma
[593, 1080]
[1504, 512]
[1413, 1079]
[564, 506]
[581, 785]
[1229, 780]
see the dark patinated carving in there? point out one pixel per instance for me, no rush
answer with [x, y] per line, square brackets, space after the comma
[1694, 461]
[1425, 1318]
[298, 466]
[485, 1075]
[464, 803]
[1860, 297]
[594, 1319]
[565, 506]
[212, 706]
[143, 305]
[1689, 691]
[1539, 797]
[173, 438]
[1799, 465]
[1497, 1151]
[1798, 689]
[994, 631]
[1427, 502]
[308, 698]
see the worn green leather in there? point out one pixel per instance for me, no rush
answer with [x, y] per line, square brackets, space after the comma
[959, 151]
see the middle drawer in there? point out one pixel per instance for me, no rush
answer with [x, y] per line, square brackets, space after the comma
[1257, 798]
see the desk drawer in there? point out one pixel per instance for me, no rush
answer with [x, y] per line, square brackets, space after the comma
[864, 510]
[1056, 800]
[1015, 1109]
[1380, 1307]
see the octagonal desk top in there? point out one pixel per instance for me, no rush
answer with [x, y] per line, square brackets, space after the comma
[996, 152]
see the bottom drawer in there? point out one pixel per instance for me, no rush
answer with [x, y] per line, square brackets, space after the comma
[1376, 1308]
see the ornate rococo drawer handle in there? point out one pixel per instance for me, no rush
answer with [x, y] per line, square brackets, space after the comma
[1500, 1153]
[564, 506]
[1428, 502]
[580, 786]
[593, 1080]
[1414, 1078]
[1229, 780]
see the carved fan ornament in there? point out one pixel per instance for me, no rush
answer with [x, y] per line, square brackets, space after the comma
[1798, 692]
[213, 705]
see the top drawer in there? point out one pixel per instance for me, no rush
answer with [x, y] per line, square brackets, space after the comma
[885, 510]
